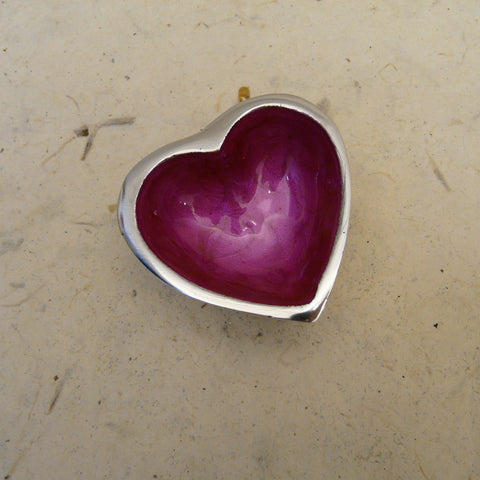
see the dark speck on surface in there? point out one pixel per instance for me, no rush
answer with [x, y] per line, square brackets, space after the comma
[435, 325]
[82, 131]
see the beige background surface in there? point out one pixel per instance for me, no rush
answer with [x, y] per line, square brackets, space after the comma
[107, 373]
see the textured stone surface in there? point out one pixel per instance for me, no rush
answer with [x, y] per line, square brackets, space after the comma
[256, 220]
[105, 372]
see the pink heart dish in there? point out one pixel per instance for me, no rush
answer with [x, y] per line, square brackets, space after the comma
[250, 214]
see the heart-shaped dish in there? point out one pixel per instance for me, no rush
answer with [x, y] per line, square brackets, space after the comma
[249, 214]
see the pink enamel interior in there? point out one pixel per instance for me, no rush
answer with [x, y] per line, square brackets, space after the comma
[255, 220]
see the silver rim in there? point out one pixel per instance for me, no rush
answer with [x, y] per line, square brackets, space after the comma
[211, 139]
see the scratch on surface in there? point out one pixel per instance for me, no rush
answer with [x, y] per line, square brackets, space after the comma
[23, 300]
[88, 224]
[239, 58]
[34, 402]
[20, 335]
[77, 292]
[95, 128]
[420, 467]
[385, 69]
[58, 391]
[23, 453]
[385, 174]
[10, 245]
[437, 172]
[89, 143]
[219, 101]
[91, 133]
[423, 473]
[117, 121]
[453, 56]
[74, 101]
[56, 152]
[15, 464]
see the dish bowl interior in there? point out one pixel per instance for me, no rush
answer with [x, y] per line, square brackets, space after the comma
[255, 220]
